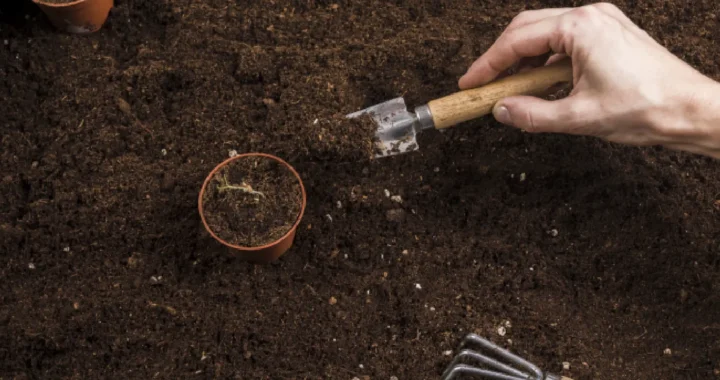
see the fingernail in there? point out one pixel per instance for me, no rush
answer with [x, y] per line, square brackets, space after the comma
[502, 115]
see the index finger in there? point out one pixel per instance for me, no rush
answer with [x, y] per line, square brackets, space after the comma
[525, 41]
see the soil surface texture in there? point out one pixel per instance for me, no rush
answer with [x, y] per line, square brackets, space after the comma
[585, 252]
[252, 201]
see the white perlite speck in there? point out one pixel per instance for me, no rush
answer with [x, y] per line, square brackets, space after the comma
[501, 331]
[232, 153]
[339, 204]
[667, 352]
[396, 199]
[417, 286]
[447, 353]
[566, 366]
[31, 266]
[387, 193]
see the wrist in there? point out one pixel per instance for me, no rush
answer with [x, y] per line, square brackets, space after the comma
[690, 120]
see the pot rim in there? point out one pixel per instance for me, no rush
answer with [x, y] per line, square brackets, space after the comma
[58, 5]
[225, 163]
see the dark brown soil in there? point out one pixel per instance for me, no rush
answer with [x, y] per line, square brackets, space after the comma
[603, 256]
[252, 201]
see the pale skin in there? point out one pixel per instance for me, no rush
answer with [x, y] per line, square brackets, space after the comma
[627, 88]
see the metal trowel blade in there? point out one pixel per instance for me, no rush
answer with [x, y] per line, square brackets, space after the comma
[396, 132]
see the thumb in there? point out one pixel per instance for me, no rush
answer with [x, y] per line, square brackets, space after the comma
[533, 114]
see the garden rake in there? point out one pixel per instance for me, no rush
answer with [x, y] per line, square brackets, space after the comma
[397, 127]
[486, 367]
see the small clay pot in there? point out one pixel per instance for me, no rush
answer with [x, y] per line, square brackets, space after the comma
[267, 253]
[77, 17]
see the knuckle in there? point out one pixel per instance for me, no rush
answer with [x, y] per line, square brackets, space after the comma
[519, 18]
[607, 7]
[586, 13]
[568, 26]
[585, 18]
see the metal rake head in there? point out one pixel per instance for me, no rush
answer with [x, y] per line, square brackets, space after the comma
[481, 365]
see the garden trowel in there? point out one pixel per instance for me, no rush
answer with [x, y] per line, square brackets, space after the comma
[397, 127]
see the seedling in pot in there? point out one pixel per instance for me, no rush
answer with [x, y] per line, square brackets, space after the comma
[253, 203]
[244, 187]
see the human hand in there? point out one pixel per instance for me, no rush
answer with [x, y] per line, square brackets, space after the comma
[627, 88]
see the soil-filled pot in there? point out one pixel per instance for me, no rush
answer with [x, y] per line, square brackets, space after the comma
[76, 16]
[253, 203]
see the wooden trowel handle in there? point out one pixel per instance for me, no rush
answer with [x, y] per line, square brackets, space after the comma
[470, 104]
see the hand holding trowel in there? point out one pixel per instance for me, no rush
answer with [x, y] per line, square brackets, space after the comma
[397, 127]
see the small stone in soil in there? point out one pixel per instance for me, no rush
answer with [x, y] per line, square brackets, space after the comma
[134, 260]
[332, 300]
[395, 215]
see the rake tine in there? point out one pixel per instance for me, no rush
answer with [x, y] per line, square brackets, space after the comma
[490, 346]
[490, 362]
[463, 369]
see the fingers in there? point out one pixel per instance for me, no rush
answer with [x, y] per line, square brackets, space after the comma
[570, 115]
[532, 33]
[526, 41]
[555, 58]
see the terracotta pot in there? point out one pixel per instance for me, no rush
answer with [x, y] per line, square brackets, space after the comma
[266, 253]
[77, 17]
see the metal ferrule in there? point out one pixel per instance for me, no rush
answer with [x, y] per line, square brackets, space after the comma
[424, 117]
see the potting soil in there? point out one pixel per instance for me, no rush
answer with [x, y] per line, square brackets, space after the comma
[585, 252]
